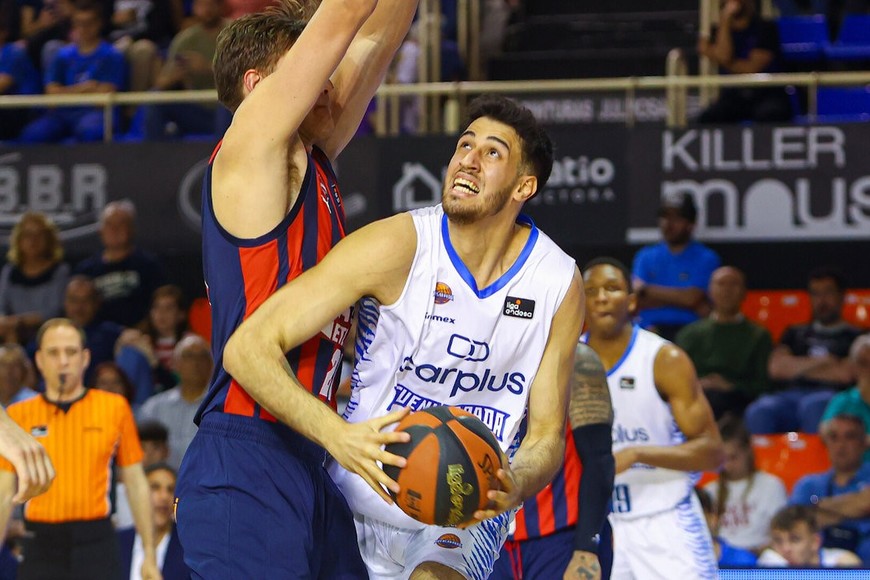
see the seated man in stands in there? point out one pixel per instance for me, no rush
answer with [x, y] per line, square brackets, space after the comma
[89, 65]
[810, 362]
[844, 438]
[188, 67]
[856, 401]
[745, 43]
[729, 351]
[798, 544]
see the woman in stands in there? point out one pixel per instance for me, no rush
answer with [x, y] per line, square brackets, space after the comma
[745, 499]
[167, 324]
[33, 282]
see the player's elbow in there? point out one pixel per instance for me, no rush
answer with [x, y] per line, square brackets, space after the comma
[234, 354]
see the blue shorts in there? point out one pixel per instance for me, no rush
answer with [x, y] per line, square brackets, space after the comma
[547, 557]
[254, 501]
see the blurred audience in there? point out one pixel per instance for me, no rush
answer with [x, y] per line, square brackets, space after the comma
[170, 556]
[810, 362]
[18, 76]
[125, 275]
[855, 401]
[797, 543]
[844, 438]
[671, 278]
[32, 282]
[88, 65]
[745, 499]
[154, 439]
[81, 303]
[726, 554]
[745, 43]
[730, 353]
[108, 376]
[177, 407]
[167, 324]
[53, 34]
[15, 375]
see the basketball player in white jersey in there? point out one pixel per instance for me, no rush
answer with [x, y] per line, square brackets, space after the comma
[663, 430]
[466, 303]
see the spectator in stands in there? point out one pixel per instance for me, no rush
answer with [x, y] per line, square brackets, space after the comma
[671, 278]
[176, 407]
[745, 499]
[14, 374]
[18, 76]
[730, 352]
[726, 554]
[108, 376]
[89, 65]
[188, 66]
[167, 324]
[141, 29]
[125, 275]
[798, 544]
[810, 360]
[856, 401]
[170, 556]
[844, 437]
[32, 283]
[43, 43]
[81, 303]
[154, 438]
[745, 43]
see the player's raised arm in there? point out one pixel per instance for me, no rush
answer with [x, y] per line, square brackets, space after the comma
[374, 261]
[590, 413]
[678, 384]
[543, 448]
[362, 71]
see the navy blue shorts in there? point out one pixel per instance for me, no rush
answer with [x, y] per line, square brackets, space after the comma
[254, 501]
[547, 557]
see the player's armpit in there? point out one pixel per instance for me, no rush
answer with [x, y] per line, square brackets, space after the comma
[590, 397]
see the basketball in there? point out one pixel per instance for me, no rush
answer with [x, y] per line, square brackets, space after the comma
[452, 459]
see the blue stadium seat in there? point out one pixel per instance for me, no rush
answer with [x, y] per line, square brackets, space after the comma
[803, 37]
[844, 104]
[853, 42]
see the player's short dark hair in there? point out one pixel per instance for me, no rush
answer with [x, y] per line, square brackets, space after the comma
[161, 466]
[830, 273]
[790, 516]
[608, 261]
[153, 431]
[536, 144]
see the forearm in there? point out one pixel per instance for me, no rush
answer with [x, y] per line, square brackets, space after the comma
[784, 367]
[668, 296]
[593, 443]
[847, 506]
[723, 48]
[700, 454]
[140, 506]
[536, 462]
[834, 372]
[7, 491]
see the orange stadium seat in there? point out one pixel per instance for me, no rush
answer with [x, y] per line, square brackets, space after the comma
[790, 456]
[199, 318]
[777, 309]
[857, 308]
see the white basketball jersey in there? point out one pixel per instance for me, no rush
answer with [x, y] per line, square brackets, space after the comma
[446, 342]
[641, 417]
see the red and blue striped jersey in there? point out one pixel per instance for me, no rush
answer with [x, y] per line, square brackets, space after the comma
[555, 507]
[240, 274]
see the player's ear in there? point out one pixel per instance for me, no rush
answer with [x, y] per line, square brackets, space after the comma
[250, 80]
[528, 186]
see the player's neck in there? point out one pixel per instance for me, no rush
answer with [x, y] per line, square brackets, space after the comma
[611, 347]
[488, 249]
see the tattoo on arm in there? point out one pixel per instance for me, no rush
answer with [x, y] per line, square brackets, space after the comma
[590, 397]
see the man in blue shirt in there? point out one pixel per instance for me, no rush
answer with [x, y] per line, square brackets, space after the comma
[844, 438]
[18, 76]
[90, 65]
[671, 277]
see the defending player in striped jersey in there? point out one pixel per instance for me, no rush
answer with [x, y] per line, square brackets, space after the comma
[663, 429]
[466, 304]
[558, 532]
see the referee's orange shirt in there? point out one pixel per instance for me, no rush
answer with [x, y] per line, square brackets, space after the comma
[81, 443]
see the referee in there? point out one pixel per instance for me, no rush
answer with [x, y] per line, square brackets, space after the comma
[69, 534]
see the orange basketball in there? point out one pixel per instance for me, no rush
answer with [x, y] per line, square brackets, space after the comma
[452, 460]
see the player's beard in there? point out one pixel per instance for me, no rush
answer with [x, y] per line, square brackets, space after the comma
[466, 211]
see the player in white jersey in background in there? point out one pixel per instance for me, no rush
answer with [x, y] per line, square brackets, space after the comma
[466, 304]
[663, 429]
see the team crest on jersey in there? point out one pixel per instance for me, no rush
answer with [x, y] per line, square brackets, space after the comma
[626, 383]
[449, 541]
[39, 430]
[519, 307]
[443, 293]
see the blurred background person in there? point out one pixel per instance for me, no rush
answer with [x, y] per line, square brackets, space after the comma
[855, 401]
[16, 375]
[726, 554]
[798, 544]
[32, 283]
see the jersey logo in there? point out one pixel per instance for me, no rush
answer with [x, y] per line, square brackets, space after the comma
[443, 293]
[519, 307]
[449, 541]
[39, 431]
[467, 349]
[626, 383]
